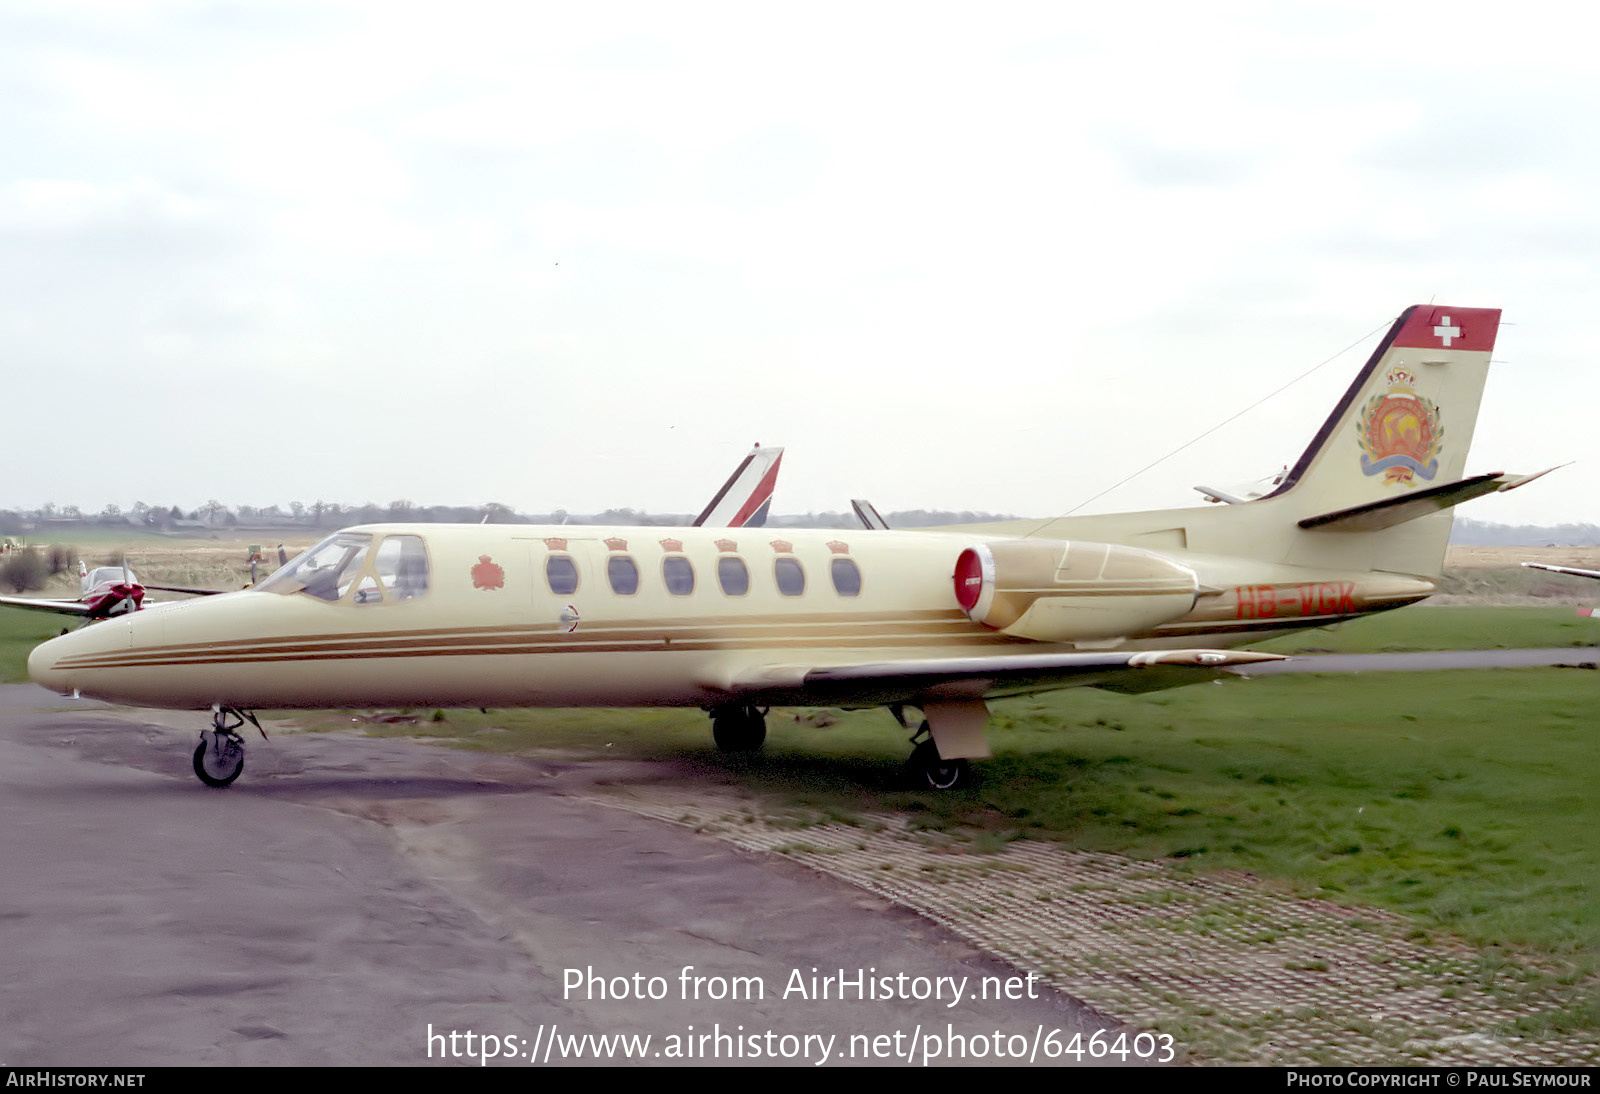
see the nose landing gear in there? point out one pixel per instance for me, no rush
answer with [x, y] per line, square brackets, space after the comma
[738, 727]
[219, 757]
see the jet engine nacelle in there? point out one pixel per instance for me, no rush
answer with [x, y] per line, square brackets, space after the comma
[1067, 591]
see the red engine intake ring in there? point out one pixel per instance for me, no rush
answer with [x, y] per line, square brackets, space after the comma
[974, 582]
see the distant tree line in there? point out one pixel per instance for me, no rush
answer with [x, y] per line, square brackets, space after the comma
[325, 515]
[1475, 533]
[319, 514]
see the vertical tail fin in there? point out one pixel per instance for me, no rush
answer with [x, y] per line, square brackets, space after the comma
[1387, 465]
[746, 498]
[1407, 421]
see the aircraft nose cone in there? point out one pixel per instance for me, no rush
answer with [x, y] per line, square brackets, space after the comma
[42, 666]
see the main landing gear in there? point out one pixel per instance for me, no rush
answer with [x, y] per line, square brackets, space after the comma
[926, 770]
[738, 727]
[219, 757]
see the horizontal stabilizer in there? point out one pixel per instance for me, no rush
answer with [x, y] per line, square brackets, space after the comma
[1377, 515]
[1211, 493]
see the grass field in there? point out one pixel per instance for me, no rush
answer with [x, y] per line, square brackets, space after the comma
[20, 631]
[1448, 627]
[1464, 800]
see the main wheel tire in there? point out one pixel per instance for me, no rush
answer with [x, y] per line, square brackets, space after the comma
[215, 772]
[927, 771]
[738, 729]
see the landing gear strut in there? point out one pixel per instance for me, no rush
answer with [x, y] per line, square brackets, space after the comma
[925, 770]
[738, 727]
[219, 757]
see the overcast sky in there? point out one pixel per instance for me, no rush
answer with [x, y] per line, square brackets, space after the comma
[581, 255]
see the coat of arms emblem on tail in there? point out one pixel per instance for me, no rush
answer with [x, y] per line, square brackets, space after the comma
[1400, 432]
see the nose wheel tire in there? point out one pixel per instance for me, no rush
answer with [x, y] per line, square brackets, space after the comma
[927, 771]
[218, 759]
[738, 728]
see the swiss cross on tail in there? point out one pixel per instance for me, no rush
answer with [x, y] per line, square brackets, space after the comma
[1449, 328]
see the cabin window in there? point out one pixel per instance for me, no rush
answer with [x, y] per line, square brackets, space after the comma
[678, 575]
[325, 571]
[402, 566]
[791, 578]
[733, 576]
[561, 572]
[846, 577]
[623, 573]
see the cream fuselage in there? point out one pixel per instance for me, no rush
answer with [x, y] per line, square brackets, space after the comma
[491, 632]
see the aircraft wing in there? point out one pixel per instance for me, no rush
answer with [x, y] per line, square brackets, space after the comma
[1563, 570]
[64, 607]
[185, 589]
[952, 678]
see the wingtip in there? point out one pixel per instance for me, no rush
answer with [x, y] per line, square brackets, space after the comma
[1206, 658]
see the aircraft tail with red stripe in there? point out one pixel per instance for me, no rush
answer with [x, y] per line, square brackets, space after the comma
[746, 498]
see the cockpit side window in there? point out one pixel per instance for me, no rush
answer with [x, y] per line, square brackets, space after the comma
[402, 567]
[325, 571]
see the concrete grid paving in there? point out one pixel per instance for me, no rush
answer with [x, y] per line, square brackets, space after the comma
[1236, 971]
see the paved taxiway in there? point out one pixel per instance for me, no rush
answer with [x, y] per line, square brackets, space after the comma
[349, 892]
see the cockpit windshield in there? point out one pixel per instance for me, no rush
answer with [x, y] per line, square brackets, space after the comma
[397, 571]
[325, 571]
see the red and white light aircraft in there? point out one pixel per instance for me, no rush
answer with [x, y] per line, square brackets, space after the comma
[106, 591]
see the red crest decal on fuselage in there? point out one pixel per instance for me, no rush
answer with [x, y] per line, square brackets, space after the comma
[488, 574]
